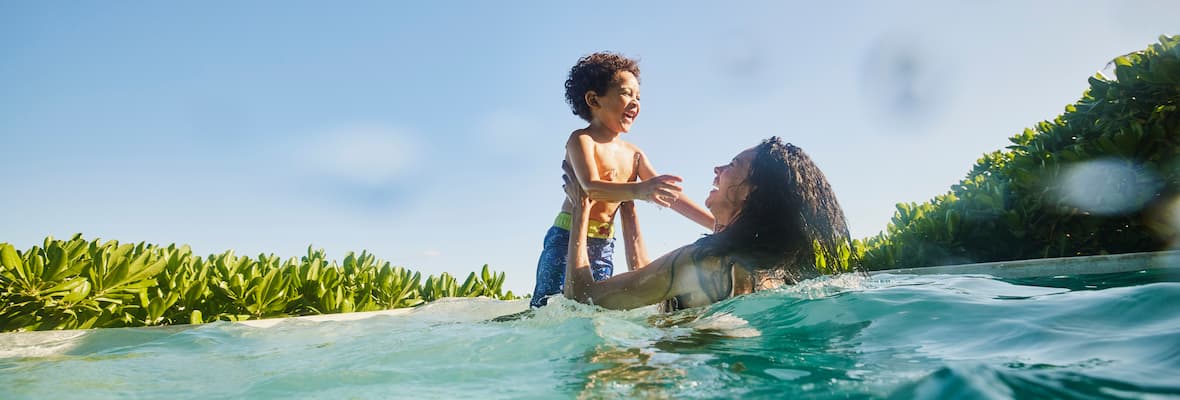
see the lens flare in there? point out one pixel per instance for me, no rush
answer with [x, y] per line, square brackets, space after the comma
[1170, 217]
[1107, 186]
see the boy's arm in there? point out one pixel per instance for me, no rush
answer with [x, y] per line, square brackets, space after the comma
[661, 189]
[650, 284]
[632, 238]
[694, 212]
[681, 204]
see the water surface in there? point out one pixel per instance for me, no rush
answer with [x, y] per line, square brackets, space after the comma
[942, 336]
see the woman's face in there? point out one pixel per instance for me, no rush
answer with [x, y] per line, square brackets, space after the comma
[730, 187]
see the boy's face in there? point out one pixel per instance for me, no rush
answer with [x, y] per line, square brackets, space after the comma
[619, 106]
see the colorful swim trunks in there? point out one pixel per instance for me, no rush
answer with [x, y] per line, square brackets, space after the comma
[600, 245]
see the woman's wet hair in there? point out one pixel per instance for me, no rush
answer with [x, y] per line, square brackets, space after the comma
[790, 217]
[594, 72]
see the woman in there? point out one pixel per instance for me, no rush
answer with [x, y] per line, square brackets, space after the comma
[777, 218]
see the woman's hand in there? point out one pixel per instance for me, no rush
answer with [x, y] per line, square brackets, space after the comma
[573, 190]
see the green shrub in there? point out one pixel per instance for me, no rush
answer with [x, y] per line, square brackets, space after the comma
[78, 284]
[1011, 204]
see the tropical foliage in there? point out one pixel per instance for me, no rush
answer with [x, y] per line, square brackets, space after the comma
[1031, 201]
[68, 284]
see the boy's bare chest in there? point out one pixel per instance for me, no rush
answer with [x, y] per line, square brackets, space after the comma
[615, 164]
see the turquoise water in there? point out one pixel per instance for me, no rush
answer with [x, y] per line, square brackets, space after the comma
[1110, 336]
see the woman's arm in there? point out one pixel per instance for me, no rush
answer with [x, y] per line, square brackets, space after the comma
[578, 278]
[671, 275]
[632, 237]
[681, 204]
[579, 151]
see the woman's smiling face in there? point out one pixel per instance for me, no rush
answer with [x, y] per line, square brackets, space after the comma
[731, 187]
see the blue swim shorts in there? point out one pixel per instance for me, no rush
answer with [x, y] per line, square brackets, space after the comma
[551, 266]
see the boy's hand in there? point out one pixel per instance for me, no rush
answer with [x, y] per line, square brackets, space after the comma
[662, 190]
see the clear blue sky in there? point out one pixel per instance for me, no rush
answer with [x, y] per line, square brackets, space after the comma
[431, 133]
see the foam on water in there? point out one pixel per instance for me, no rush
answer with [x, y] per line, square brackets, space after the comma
[847, 336]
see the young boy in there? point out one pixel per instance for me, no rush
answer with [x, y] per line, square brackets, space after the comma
[603, 89]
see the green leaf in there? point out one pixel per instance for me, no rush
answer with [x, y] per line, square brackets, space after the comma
[58, 266]
[77, 293]
[67, 285]
[12, 261]
[35, 265]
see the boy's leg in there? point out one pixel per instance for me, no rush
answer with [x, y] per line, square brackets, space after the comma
[551, 266]
[602, 257]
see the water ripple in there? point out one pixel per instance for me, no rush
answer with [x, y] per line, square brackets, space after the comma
[848, 336]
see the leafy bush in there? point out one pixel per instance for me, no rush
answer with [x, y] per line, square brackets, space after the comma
[92, 284]
[1023, 203]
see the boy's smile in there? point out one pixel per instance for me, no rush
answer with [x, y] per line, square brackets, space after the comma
[618, 107]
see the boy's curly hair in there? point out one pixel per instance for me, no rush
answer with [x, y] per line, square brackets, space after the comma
[594, 72]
